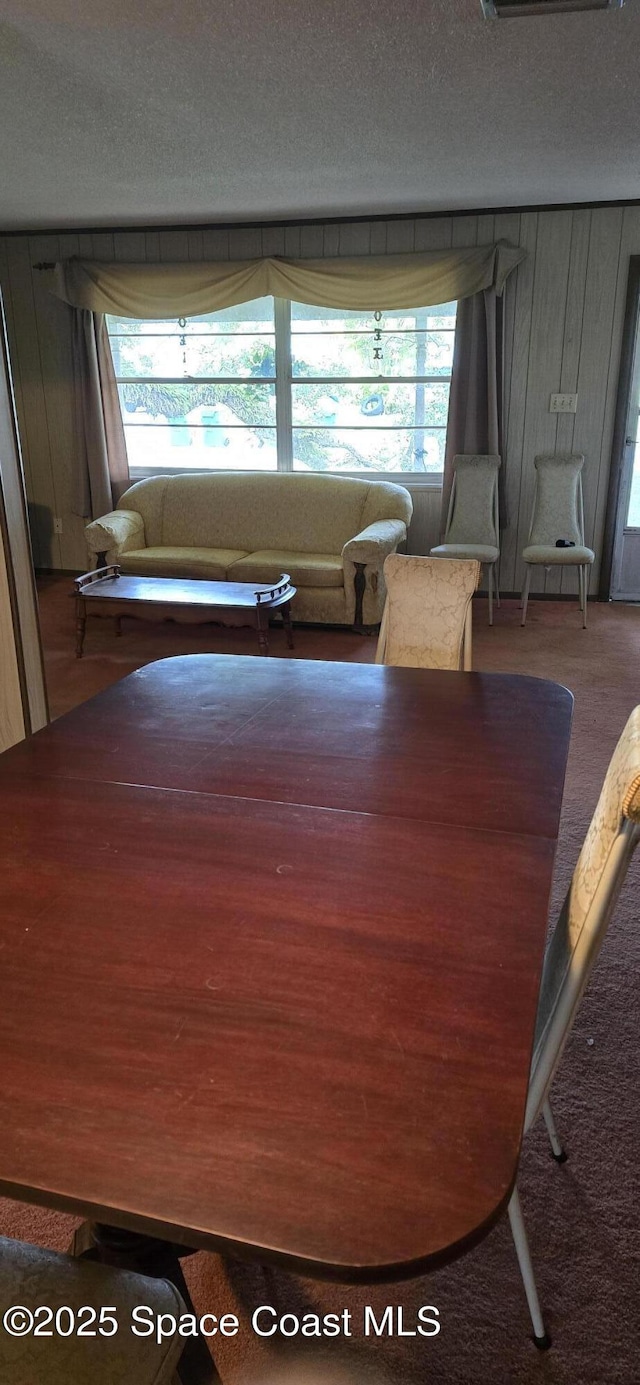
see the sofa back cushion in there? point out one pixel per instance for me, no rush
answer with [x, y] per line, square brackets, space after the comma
[302, 514]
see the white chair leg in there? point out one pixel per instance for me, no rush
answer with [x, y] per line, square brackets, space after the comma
[491, 593]
[525, 593]
[540, 1337]
[497, 585]
[558, 1152]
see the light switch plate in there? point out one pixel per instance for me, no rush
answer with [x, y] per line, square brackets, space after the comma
[563, 404]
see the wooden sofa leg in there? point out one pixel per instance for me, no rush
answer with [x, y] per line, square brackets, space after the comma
[359, 584]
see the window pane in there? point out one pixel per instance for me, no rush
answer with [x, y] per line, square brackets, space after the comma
[198, 406]
[175, 444]
[332, 342]
[369, 449]
[238, 341]
[380, 406]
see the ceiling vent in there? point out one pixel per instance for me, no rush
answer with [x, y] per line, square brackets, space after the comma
[508, 9]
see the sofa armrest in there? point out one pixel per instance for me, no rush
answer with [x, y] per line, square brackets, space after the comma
[115, 533]
[375, 542]
[369, 550]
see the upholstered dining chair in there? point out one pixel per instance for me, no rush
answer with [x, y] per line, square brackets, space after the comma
[426, 622]
[556, 533]
[612, 838]
[31, 1277]
[473, 526]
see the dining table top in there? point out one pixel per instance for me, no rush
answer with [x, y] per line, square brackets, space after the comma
[271, 933]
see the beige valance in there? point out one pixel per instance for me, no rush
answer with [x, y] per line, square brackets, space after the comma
[363, 283]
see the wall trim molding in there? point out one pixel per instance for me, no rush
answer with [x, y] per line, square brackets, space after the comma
[267, 224]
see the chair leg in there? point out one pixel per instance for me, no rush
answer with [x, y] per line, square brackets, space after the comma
[557, 1151]
[491, 593]
[584, 584]
[540, 1336]
[525, 593]
[497, 585]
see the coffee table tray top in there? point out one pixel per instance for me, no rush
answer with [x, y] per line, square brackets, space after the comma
[108, 585]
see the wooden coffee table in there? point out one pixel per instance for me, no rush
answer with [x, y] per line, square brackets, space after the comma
[106, 592]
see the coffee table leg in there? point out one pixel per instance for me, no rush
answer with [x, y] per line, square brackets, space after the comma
[288, 627]
[111, 1245]
[263, 639]
[81, 621]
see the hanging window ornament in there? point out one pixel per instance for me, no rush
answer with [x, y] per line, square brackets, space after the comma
[182, 322]
[377, 337]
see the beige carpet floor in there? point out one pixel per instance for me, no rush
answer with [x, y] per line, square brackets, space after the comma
[583, 1217]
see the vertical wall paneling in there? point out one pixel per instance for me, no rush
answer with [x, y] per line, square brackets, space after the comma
[485, 230]
[194, 245]
[21, 649]
[245, 244]
[174, 246]
[510, 568]
[12, 725]
[566, 579]
[400, 237]
[464, 230]
[292, 240]
[130, 247]
[273, 241]
[215, 245]
[629, 245]
[355, 239]
[377, 238]
[331, 241]
[53, 329]
[102, 245]
[562, 328]
[5, 286]
[434, 235]
[507, 227]
[425, 521]
[26, 363]
[597, 323]
[311, 242]
[545, 360]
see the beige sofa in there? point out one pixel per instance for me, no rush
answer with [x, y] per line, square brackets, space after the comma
[330, 533]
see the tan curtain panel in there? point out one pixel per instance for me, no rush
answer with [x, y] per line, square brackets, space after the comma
[365, 283]
[103, 471]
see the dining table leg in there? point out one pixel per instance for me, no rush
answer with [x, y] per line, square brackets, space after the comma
[131, 1250]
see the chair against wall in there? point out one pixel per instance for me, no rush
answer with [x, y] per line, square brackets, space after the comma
[32, 1277]
[612, 837]
[558, 513]
[426, 621]
[473, 526]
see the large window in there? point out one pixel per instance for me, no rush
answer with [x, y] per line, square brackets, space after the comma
[278, 385]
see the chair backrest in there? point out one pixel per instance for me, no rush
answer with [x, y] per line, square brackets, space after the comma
[427, 613]
[557, 506]
[473, 507]
[612, 837]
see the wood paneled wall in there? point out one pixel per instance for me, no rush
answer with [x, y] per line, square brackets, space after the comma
[564, 310]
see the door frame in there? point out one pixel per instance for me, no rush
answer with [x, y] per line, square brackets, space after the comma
[616, 470]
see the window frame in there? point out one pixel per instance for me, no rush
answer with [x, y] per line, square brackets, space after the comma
[283, 381]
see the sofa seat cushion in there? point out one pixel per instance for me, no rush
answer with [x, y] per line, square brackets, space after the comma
[209, 563]
[304, 569]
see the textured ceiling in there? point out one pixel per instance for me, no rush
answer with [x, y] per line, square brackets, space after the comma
[156, 111]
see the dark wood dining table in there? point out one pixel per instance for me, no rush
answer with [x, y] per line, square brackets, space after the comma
[270, 943]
